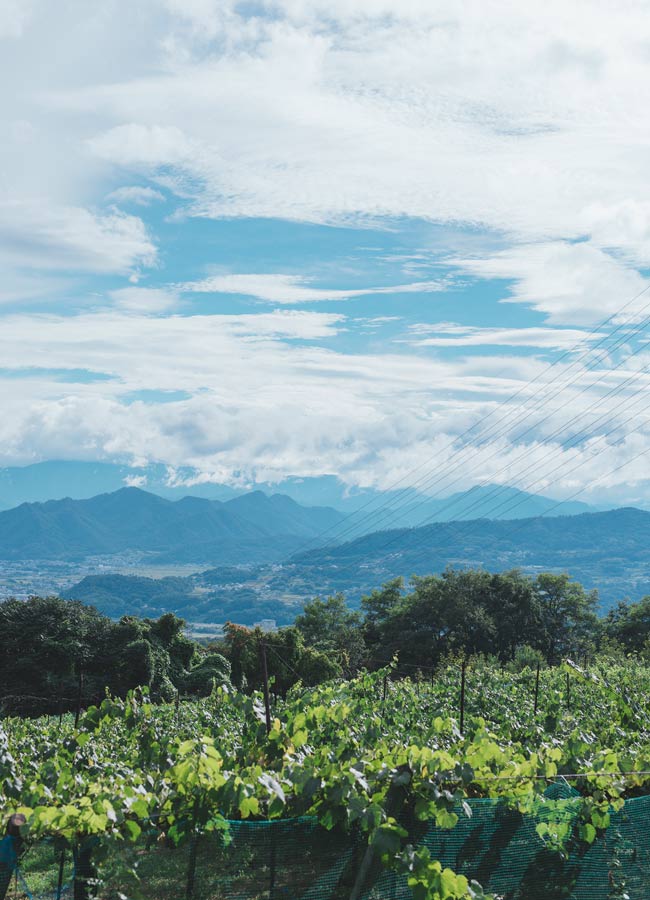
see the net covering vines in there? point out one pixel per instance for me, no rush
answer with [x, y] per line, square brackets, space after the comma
[297, 859]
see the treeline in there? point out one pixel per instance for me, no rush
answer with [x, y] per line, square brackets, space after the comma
[514, 618]
[59, 654]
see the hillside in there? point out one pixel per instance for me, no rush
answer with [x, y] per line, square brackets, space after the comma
[249, 528]
[608, 550]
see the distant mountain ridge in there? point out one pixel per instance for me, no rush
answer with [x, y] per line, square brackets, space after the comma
[608, 550]
[59, 479]
[253, 527]
[492, 501]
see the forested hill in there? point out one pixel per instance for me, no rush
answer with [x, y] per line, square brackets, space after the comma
[252, 527]
[608, 550]
[625, 531]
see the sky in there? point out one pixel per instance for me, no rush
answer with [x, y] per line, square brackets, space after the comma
[396, 243]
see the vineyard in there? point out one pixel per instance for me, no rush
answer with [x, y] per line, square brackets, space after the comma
[531, 784]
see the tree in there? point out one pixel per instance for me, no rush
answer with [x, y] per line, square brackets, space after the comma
[568, 621]
[288, 659]
[442, 613]
[514, 607]
[380, 604]
[377, 609]
[331, 627]
[213, 669]
[136, 666]
[56, 650]
[47, 644]
[476, 611]
[629, 624]
[173, 653]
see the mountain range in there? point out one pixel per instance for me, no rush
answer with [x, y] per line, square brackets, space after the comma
[252, 527]
[259, 556]
[490, 501]
[79, 480]
[607, 550]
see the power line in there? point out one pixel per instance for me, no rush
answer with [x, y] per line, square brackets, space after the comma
[352, 518]
[636, 396]
[576, 440]
[450, 526]
[500, 488]
[284, 661]
[451, 467]
[526, 522]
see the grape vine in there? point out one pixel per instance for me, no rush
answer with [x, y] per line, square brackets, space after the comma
[355, 754]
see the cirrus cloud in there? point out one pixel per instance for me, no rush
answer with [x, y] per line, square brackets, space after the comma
[282, 288]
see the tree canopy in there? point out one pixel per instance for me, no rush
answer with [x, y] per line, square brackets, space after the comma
[57, 652]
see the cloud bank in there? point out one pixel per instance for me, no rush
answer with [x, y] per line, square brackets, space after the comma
[502, 145]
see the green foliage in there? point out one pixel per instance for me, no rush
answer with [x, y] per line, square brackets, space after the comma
[331, 627]
[46, 642]
[136, 663]
[526, 657]
[629, 625]
[474, 611]
[567, 614]
[57, 652]
[288, 659]
[213, 670]
[355, 754]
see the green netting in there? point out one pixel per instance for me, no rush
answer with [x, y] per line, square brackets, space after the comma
[296, 859]
[501, 849]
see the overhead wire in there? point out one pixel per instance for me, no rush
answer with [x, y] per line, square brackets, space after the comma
[615, 390]
[630, 402]
[400, 534]
[443, 473]
[527, 522]
[498, 488]
[355, 523]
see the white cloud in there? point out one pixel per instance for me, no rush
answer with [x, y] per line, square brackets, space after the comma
[135, 194]
[278, 288]
[258, 400]
[142, 299]
[44, 237]
[17, 286]
[146, 146]
[447, 334]
[262, 405]
[329, 112]
[139, 481]
[519, 119]
[515, 119]
[570, 282]
[14, 15]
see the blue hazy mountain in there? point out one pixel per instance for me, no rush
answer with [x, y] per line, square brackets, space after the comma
[490, 502]
[56, 480]
[250, 528]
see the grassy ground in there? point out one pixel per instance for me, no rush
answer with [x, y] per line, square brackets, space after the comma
[251, 869]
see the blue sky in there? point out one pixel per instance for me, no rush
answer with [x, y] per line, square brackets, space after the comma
[303, 238]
